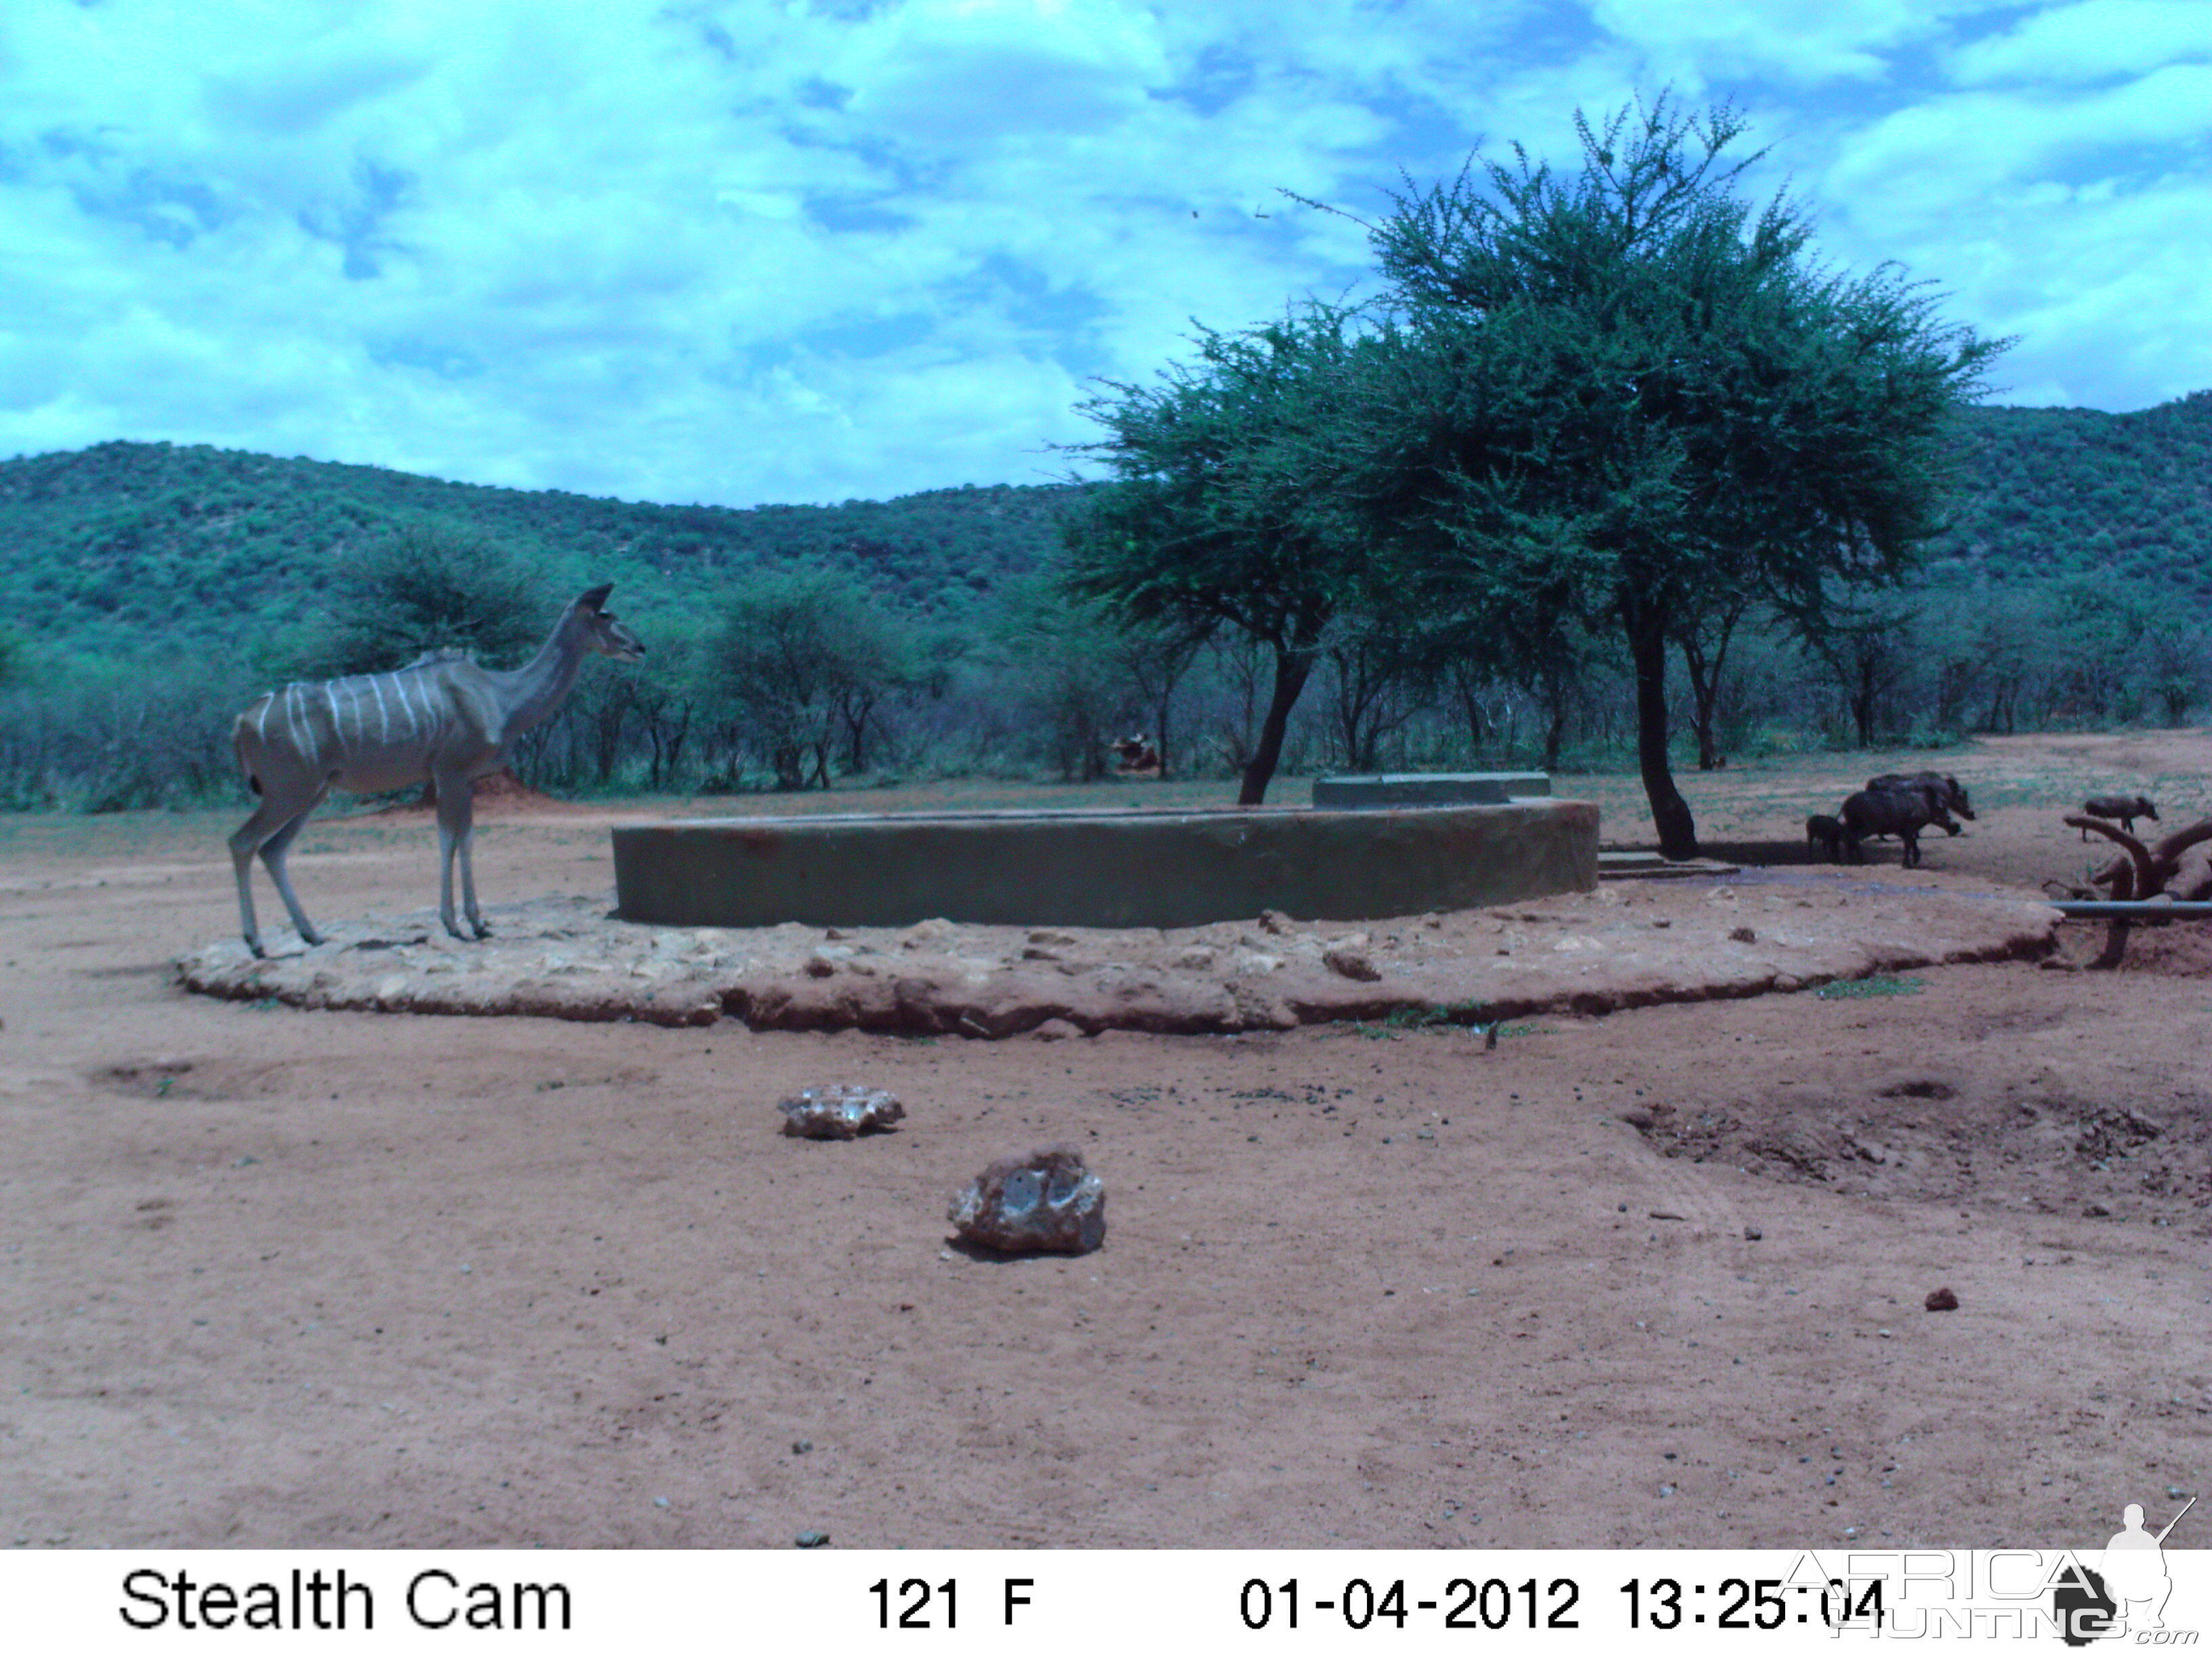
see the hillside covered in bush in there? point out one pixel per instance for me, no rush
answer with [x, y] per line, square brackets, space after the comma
[130, 549]
[2048, 493]
[151, 590]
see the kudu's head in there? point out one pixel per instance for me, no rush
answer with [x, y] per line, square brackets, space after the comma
[607, 636]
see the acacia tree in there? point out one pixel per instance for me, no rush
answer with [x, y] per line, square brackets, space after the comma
[1378, 679]
[801, 657]
[425, 587]
[1620, 391]
[1704, 633]
[1155, 661]
[1870, 651]
[1223, 510]
[667, 699]
[1057, 655]
[2174, 661]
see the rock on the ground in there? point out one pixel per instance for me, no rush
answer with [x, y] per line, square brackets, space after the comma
[1351, 962]
[839, 1111]
[1047, 1201]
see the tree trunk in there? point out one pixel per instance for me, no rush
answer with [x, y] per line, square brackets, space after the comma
[1359, 688]
[675, 743]
[1555, 728]
[1292, 668]
[1647, 648]
[1558, 687]
[788, 760]
[1464, 686]
[855, 709]
[1706, 673]
[1704, 694]
[1701, 722]
[1863, 700]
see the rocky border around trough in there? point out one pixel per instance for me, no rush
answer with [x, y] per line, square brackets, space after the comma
[1622, 947]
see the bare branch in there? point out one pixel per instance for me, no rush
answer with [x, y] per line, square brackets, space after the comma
[1325, 207]
[2138, 855]
[2170, 849]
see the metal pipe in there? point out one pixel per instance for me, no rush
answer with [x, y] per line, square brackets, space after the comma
[2130, 910]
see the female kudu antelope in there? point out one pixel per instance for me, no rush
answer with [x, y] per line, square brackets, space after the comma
[441, 720]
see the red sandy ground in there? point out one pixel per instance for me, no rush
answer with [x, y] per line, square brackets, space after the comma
[279, 1278]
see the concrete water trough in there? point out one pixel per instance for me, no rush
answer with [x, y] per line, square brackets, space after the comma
[1374, 791]
[1101, 869]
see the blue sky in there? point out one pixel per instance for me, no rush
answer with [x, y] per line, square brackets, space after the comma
[805, 252]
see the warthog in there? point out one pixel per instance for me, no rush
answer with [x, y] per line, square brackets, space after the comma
[1823, 832]
[2126, 808]
[1900, 812]
[1950, 795]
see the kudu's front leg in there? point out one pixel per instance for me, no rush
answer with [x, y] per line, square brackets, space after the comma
[456, 830]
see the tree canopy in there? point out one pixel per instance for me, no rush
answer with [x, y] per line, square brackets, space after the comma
[1617, 392]
[1225, 509]
[427, 588]
[801, 658]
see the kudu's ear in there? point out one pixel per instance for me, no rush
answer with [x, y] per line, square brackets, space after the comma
[596, 598]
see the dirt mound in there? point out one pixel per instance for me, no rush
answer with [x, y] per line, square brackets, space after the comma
[1631, 946]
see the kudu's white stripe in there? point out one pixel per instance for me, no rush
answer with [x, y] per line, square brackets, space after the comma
[414, 719]
[300, 744]
[383, 719]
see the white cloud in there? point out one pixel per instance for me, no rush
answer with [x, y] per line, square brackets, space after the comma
[959, 75]
[2078, 218]
[1799, 40]
[2089, 41]
[1965, 142]
[730, 252]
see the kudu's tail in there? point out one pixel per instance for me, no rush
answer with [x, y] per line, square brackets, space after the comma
[237, 747]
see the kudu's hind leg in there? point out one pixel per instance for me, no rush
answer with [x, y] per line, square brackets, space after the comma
[241, 858]
[270, 832]
[272, 854]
